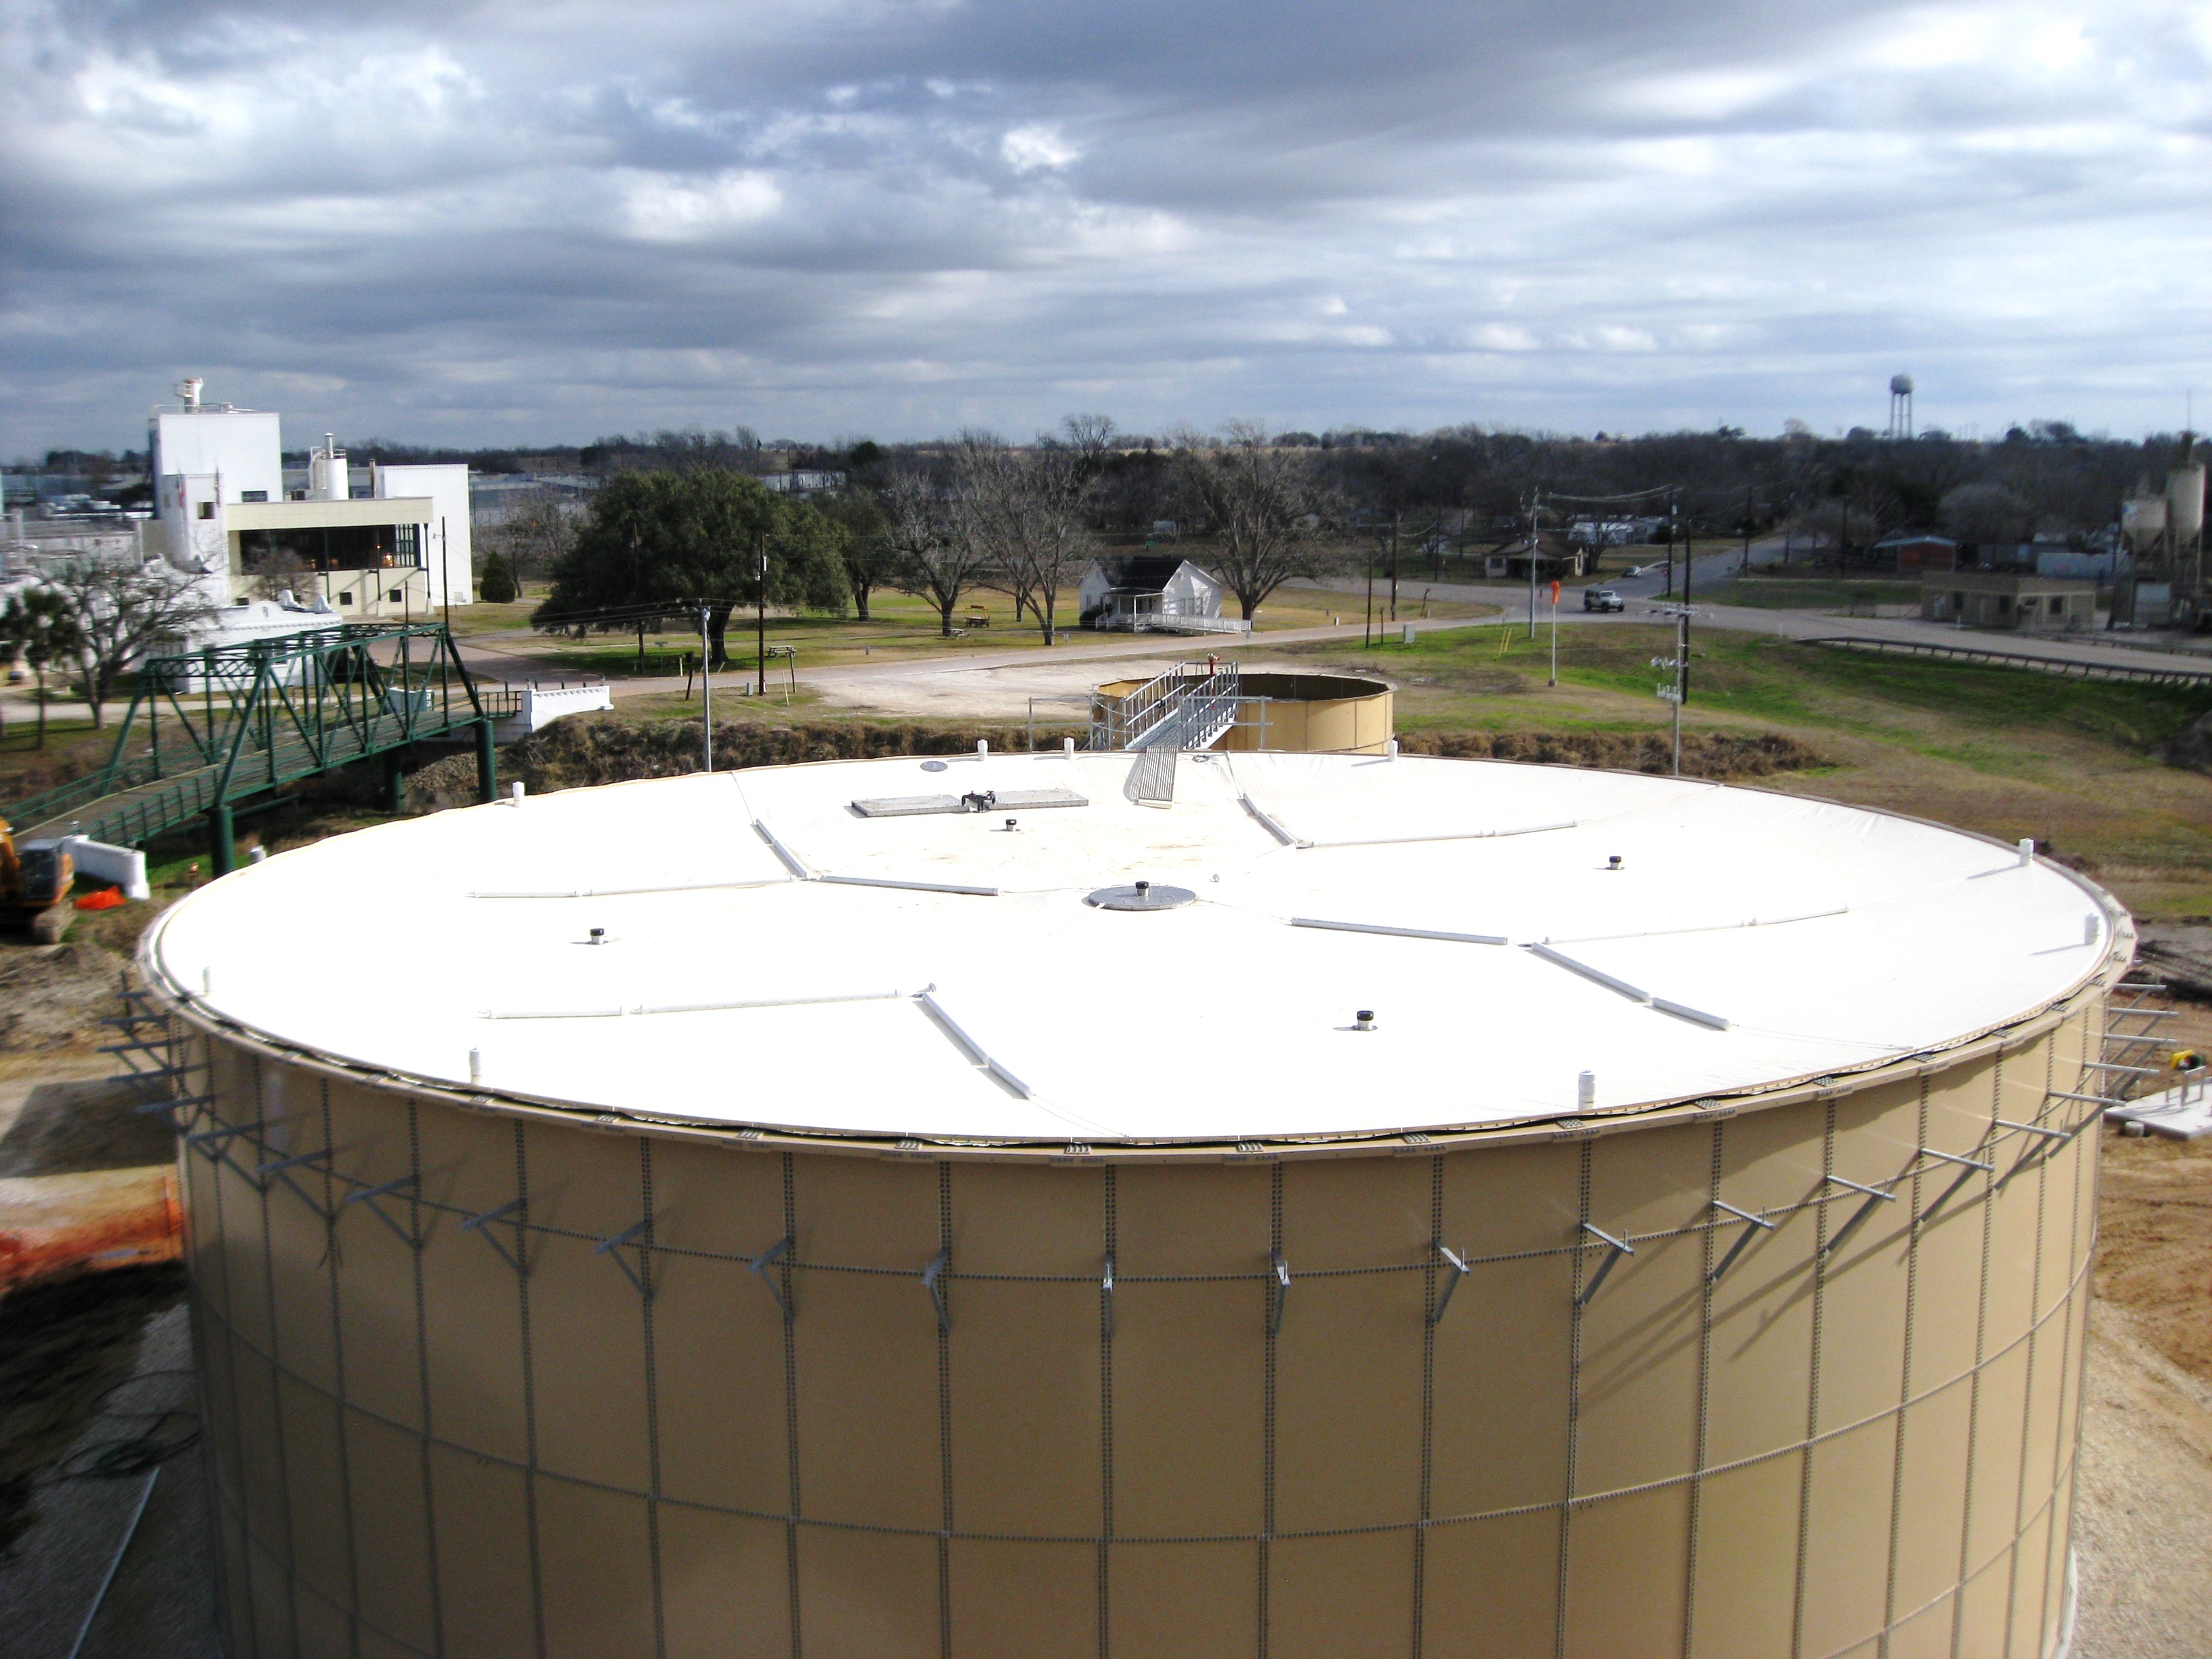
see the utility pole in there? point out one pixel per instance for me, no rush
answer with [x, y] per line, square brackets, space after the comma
[1535, 522]
[1367, 636]
[445, 575]
[1744, 570]
[1397, 528]
[1689, 553]
[1554, 680]
[1677, 693]
[707, 683]
[760, 625]
[1673, 536]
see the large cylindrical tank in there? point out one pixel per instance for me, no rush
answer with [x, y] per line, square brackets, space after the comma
[2184, 502]
[1456, 1207]
[2142, 520]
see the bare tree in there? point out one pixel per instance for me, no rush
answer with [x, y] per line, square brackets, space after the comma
[279, 572]
[1027, 510]
[1262, 504]
[935, 557]
[1981, 513]
[535, 537]
[124, 611]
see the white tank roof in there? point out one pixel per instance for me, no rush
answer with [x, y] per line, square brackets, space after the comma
[750, 975]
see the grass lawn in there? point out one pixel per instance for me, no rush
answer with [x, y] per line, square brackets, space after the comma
[1846, 596]
[2003, 751]
[899, 625]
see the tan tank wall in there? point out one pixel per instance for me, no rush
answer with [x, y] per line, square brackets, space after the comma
[438, 1433]
[1306, 714]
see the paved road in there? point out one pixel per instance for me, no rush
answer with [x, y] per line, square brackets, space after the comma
[1646, 606]
[509, 656]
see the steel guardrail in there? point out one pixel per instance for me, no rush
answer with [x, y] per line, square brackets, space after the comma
[2065, 667]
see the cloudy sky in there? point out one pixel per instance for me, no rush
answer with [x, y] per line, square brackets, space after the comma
[484, 221]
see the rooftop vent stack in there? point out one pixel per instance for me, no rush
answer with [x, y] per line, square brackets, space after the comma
[326, 472]
[188, 392]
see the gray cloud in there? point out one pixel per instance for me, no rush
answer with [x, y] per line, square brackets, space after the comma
[498, 220]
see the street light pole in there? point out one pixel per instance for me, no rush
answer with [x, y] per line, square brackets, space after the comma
[759, 614]
[1535, 531]
[707, 683]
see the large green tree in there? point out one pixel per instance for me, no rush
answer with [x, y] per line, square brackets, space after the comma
[37, 626]
[661, 544]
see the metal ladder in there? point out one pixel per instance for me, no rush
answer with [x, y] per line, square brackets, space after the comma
[2130, 1060]
[1189, 707]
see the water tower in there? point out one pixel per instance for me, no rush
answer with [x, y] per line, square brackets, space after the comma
[1900, 406]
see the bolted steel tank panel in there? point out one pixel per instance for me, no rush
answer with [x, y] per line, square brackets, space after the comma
[1784, 1366]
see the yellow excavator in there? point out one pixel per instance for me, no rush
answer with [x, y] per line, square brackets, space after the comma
[35, 887]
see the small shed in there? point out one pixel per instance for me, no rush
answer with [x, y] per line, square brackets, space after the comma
[2019, 600]
[1146, 591]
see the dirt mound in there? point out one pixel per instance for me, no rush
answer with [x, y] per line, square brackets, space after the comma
[576, 753]
[52, 996]
[1705, 754]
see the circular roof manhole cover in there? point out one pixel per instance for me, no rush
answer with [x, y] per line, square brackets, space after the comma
[1144, 895]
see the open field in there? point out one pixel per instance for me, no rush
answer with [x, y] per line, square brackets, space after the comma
[2006, 753]
[501, 643]
[1845, 596]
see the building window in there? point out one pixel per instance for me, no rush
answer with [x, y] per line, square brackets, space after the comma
[253, 495]
[345, 597]
[207, 509]
[392, 595]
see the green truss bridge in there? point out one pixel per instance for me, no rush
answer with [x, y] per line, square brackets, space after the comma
[209, 729]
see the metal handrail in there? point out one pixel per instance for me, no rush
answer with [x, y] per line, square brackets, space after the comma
[2064, 666]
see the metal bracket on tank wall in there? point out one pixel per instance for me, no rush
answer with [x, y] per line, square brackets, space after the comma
[169, 1108]
[368, 1195]
[931, 1279]
[1874, 1195]
[1966, 1175]
[1758, 1223]
[209, 1145]
[481, 1226]
[758, 1267]
[2053, 1138]
[1279, 1291]
[1460, 1271]
[1621, 1247]
[277, 1167]
[1106, 1290]
[642, 1276]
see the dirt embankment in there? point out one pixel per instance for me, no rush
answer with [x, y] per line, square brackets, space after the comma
[2154, 1244]
[1705, 754]
[51, 997]
[576, 753]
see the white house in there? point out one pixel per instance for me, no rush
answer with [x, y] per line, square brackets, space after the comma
[396, 545]
[1150, 590]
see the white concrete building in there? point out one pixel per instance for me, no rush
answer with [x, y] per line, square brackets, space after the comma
[395, 546]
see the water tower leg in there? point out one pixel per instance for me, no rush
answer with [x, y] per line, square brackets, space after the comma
[487, 765]
[222, 846]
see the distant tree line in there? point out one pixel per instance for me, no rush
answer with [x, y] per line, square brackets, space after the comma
[682, 520]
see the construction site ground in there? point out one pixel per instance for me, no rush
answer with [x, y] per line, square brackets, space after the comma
[2007, 754]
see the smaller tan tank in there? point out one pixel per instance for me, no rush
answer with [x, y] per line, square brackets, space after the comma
[1294, 713]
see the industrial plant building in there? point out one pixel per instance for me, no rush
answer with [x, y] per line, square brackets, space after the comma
[1320, 1206]
[393, 545]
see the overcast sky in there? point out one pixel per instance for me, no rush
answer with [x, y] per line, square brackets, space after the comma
[483, 221]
